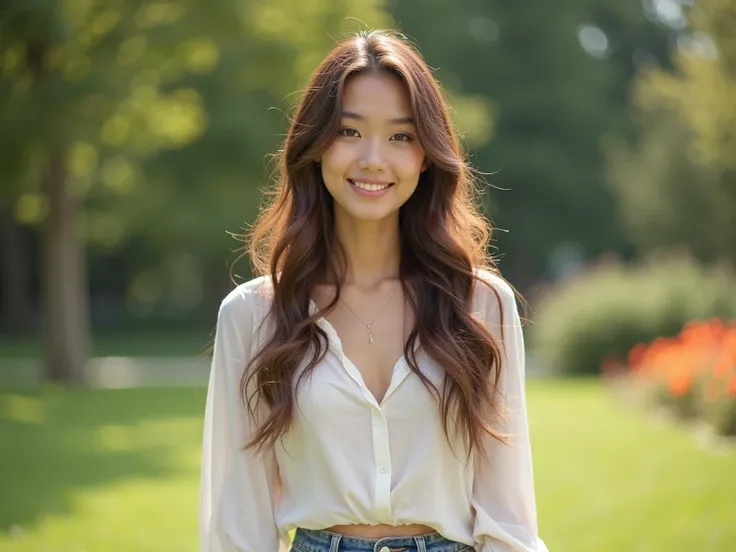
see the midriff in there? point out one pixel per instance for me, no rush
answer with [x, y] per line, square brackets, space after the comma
[381, 531]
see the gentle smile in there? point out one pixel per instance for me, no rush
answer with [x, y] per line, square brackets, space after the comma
[368, 186]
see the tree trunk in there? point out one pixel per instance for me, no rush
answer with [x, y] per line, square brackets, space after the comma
[66, 312]
[14, 270]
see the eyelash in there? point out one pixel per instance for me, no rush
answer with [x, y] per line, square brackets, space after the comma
[406, 136]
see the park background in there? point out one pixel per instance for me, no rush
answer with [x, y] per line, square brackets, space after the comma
[134, 142]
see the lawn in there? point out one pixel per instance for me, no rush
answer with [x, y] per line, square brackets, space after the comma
[134, 343]
[117, 470]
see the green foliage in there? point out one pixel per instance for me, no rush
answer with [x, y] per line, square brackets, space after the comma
[604, 312]
[164, 112]
[702, 88]
[722, 415]
[552, 102]
[663, 194]
[683, 169]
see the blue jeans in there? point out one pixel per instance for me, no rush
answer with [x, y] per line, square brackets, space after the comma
[307, 540]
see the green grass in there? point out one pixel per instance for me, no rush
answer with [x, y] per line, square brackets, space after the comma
[118, 471]
[100, 470]
[609, 479]
[155, 343]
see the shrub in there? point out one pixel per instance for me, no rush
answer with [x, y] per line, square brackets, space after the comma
[693, 374]
[604, 312]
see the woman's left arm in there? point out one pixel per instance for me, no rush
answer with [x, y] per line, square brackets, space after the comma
[503, 485]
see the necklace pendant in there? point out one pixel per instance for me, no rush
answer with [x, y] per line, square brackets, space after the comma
[370, 333]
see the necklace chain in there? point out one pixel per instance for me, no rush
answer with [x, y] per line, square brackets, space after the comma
[369, 326]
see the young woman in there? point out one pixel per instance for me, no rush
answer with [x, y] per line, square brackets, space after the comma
[367, 390]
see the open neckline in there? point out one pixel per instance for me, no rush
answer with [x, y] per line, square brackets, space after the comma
[398, 373]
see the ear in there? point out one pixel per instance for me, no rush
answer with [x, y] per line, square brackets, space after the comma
[425, 164]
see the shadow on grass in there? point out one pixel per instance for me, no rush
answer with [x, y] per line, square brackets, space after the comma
[55, 444]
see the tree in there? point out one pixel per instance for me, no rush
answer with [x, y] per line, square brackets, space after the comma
[686, 161]
[555, 77]
[104, 102]
[546, 95]
[665, 199]
[14, 268]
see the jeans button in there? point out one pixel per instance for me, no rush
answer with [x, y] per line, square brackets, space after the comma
[385, 549]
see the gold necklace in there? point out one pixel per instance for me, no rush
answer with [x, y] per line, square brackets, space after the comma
[369, 326]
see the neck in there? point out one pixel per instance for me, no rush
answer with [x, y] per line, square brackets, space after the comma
[372, 250]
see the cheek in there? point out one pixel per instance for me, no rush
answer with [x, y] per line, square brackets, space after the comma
[411, 163]
[336, 158]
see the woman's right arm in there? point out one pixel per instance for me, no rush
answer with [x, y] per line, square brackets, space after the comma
[237, 486]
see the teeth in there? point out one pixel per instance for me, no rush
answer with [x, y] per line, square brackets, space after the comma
[370, 187]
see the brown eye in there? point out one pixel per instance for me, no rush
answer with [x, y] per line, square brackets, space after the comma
[402, 137]
[349, 132]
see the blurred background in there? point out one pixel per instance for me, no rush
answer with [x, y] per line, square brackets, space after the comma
[134, 146]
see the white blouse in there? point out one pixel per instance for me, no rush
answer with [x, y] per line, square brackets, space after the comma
[348, 459]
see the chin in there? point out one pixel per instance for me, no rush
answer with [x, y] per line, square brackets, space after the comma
[370, 215]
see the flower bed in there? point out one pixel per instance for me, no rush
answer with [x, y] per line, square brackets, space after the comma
[693, 374]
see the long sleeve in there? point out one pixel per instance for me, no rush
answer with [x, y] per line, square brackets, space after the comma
[238, 488]
[503, 487]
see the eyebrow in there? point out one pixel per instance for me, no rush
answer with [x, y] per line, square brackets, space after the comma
[396, 121]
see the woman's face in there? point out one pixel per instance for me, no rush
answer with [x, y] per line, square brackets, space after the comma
[373, 165]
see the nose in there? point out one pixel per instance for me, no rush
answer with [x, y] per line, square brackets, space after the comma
[371, 156]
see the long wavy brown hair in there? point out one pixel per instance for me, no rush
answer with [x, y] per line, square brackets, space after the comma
[444, 240]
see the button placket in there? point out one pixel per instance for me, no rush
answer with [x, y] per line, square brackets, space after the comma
[382, 458]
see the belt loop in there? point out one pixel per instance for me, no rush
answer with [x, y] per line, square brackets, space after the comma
[421, 545]
[335, 542]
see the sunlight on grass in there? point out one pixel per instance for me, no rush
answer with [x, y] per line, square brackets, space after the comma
[118, 471]
[137, 514]
[18, 408]
[109, 470]
[610, 479]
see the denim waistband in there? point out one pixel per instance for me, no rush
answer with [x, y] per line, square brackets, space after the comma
[310, 540]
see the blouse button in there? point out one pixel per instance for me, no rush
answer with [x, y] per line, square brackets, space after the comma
[384, 469]
[385, 549]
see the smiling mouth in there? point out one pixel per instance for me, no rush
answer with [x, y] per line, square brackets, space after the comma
[368, 187]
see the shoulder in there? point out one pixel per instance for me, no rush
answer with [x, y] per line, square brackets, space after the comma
[492, 293]
[248, 301]
[495, 304]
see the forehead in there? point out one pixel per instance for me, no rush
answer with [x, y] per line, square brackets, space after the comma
[377, 95]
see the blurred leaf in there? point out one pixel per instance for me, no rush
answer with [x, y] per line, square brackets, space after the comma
[683, 169]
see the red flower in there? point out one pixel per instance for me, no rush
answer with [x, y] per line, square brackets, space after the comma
[680, 384]
[732, 386]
